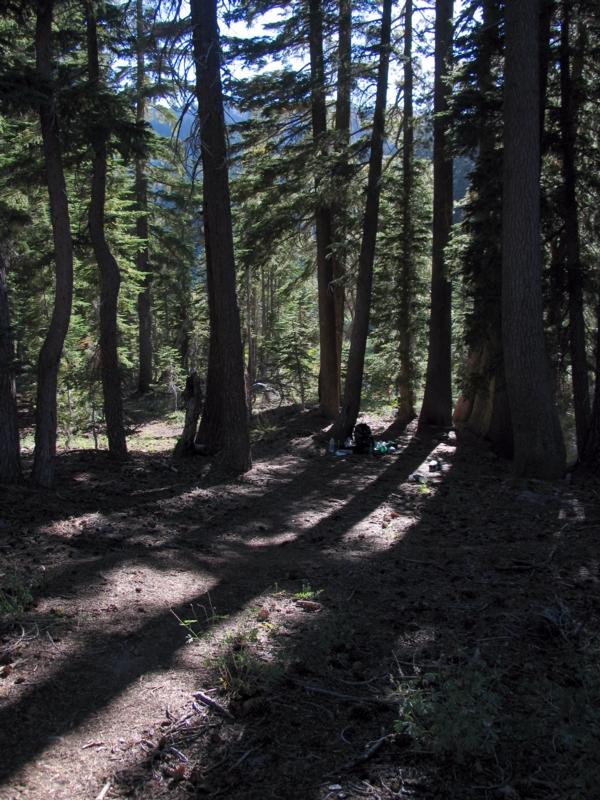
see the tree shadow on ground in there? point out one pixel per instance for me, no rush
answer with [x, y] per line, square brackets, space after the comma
[80, 687]
[454, 579]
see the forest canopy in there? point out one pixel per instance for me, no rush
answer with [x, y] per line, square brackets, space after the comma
[349, 204]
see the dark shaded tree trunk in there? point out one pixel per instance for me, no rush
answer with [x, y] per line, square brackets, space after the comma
[591, 451]
[144, 300]
[329, 391]
[406, 276]
[224, 425]
[568, 128]
[110, 279]
[10, 455]
[50, 353]
[339, 206]
[346, 420]
[538, 445]
[490, 413]
[437, 400]
[192, 398]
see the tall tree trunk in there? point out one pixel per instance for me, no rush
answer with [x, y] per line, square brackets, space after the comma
[354, 376]
[50, 353]
[406, 273]
[329, 391]
[591, 452]
[568, 126]
[538, 445]
[490, 414]
[110, 278]
[339, 206]
[437, 400]
[225, 419]
[144, 301]
[10, 456]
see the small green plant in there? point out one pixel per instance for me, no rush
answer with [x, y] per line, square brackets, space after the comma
[15, 595]
[307, 592]
[458, 716]
[210, 618]
[241, 672]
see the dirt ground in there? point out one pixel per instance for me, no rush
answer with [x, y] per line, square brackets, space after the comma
[417, 625]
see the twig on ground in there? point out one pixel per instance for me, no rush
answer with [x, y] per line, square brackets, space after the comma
[342, 696]
[241, 759]
[208, 701]
[424, 563]
[104, 791]
[374, 748]
[178, 754]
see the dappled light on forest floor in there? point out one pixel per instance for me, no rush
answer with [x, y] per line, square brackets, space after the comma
[360, 623]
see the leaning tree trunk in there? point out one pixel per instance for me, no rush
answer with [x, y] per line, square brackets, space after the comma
[51, 351]
[437, 400]
[226, 425]
[568, 127]
[10, 456]
[406, 272]
[538, 444]
[110, 278]
[144, 302]
[354, 376]
[329, 391]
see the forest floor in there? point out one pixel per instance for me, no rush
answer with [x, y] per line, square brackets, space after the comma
[418, 625]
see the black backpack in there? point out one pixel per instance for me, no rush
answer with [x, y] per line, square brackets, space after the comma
[363, 439]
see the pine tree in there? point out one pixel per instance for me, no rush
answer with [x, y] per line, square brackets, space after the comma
[538, 444]
[49, 358]
[346, 420]
[224, 425]
[110, 278]
[437, 400]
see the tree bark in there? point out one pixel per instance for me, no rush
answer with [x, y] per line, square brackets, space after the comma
[490, 414]
[329, 392]
[339, 206]
[10, 455]
[406, 276]
[354, 377]
[224, 425]
[192, 397]
[437, 400]
[591, 451]
[144, 300]
[568, 126]
[110, 279]
[50, 353]
[538, 445]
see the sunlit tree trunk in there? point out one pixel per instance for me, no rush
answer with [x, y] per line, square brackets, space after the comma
[329, 393]
[406, 272]
[346, 420]
[339, 206]
[144, 301]
[224, 426]
[50, 353]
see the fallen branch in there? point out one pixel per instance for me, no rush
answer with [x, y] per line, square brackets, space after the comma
[104, 791]
[342, 696]
[208, 701]
[369, 752]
